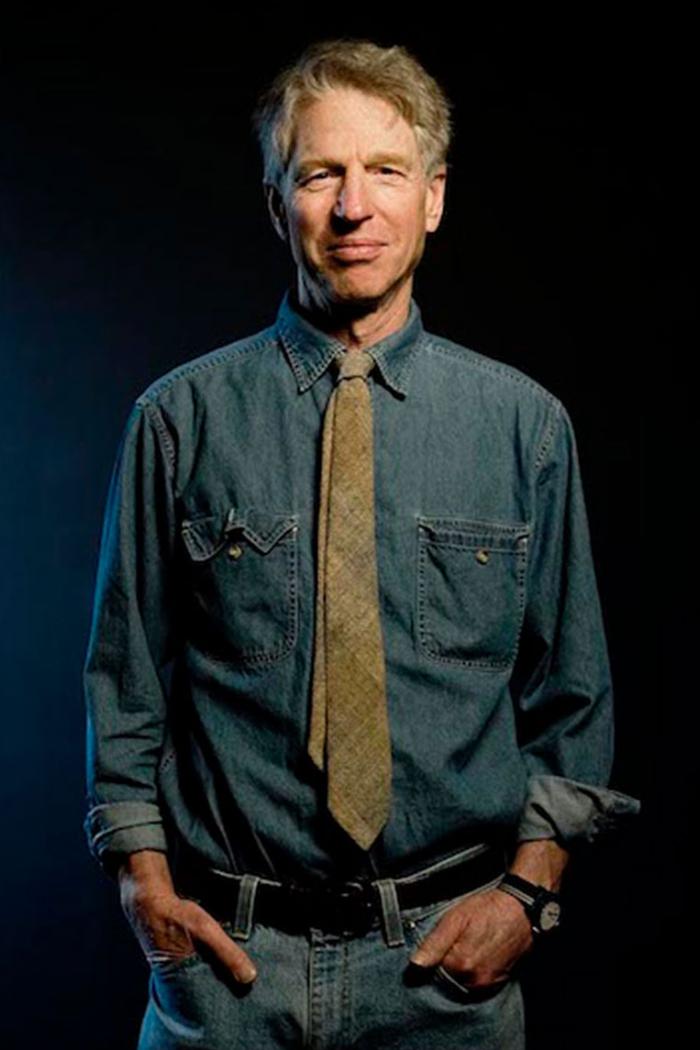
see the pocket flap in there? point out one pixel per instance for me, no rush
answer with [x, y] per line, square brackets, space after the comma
[204, 537]
[462, 532]
[263, 528]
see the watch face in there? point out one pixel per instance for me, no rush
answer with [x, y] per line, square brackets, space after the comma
[549, 916]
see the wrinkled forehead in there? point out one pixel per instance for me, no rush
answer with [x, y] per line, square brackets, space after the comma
[340, 117]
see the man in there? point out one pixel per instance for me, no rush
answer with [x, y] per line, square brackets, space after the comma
[362, 551]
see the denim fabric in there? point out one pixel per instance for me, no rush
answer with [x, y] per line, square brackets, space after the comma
[198, 670]
[336, 990]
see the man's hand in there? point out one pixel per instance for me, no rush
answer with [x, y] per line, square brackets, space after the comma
[165, 924]
[479, 939]
[482, 937]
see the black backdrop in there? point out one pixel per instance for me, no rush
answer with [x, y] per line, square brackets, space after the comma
[134, 236]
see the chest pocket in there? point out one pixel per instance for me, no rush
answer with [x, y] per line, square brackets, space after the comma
[470, 590]
[243, 568]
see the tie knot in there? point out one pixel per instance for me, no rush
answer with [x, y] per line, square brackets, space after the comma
[355, 363]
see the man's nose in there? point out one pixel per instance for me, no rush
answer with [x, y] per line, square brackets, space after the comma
[354, 199]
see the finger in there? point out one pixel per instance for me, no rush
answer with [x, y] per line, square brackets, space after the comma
[479, 965]
[438, 941]
[206, 929]
[456, 960]
[479, 986]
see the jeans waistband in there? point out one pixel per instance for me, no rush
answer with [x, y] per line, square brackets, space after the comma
[443, 864]
[436, 877]
[351, 906]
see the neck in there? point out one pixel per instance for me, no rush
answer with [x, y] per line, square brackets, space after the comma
[358, 325]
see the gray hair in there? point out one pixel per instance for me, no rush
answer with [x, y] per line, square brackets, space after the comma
[391, 73]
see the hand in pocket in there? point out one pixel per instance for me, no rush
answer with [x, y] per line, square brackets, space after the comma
[169, 926]
[478, 940]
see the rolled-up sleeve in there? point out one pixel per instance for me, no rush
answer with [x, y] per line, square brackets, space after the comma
[561, 685]
[132, 638]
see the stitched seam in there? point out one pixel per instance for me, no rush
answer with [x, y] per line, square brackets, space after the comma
[164, 439]
[109, 805]
[256, 654]
[166, 963]
[473, 526]
[290, 354]
[430, 910]
[487, 364]
[468, 545]
[451, 861]
[293, 348]
[347, 1016]
[124, 827]
[422, 619]
[167, 761]
[397, 375]
[548, 437]
[234, 352]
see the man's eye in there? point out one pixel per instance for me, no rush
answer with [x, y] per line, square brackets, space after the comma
[317, 176]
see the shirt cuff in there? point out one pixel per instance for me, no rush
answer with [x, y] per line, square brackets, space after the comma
[574, 813]
[114, 829]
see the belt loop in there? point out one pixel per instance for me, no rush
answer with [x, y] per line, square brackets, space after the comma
[245, 905]
[391, 915]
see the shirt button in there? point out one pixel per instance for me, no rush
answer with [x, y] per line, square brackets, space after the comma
[235, 550]
[482, 556]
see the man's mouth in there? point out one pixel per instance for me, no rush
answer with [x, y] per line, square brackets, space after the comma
[356, 249]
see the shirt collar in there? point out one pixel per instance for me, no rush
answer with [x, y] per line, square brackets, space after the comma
[310, 350]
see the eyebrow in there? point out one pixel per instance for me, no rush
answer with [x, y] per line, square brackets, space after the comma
[376, 160]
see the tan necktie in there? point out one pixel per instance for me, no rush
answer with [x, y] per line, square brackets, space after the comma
[349, 720]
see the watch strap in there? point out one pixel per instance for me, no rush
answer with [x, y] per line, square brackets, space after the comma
[527, 892]
[533, 898]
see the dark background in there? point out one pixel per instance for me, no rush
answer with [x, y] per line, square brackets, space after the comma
[134, 237]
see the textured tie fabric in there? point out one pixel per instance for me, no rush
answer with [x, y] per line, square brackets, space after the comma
[349, 721]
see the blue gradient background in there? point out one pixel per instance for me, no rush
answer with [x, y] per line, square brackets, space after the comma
[134, 236]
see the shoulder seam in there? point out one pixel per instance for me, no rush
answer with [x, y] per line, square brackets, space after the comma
[548, 438]
[488, 364]
[240, 348]
[152, 409]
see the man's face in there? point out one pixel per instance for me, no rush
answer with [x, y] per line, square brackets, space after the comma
[356, 204]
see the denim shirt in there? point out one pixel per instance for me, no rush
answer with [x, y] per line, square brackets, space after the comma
[199, 663]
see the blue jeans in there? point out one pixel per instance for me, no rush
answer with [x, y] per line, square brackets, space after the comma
[329, 991]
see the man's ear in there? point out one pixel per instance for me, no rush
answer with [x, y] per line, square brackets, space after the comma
[276, 208]
[435, 199]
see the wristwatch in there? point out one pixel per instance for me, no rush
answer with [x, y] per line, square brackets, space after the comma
[541, 906]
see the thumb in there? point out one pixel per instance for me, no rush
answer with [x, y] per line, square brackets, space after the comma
[438, 942]
[206, 929]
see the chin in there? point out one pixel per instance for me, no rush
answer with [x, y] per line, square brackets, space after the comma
[367, 293]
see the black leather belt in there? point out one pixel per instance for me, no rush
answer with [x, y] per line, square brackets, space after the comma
[352, 906]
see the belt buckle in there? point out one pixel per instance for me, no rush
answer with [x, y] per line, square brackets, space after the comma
[346, 907]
